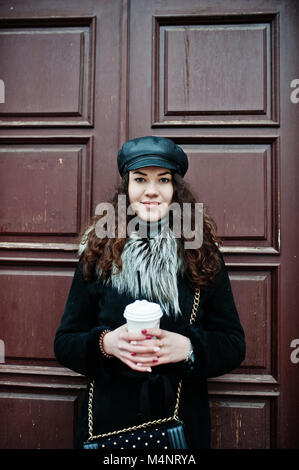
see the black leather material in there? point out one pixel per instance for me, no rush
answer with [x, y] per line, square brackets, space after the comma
[152, 151]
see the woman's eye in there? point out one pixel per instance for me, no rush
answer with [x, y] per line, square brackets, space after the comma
[164, 180]
[139, 179]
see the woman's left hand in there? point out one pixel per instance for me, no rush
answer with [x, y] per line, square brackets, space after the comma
[173, 347]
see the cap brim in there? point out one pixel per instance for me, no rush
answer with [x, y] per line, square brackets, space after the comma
[151, 160]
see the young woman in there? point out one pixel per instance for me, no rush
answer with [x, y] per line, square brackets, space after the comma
[136, 374]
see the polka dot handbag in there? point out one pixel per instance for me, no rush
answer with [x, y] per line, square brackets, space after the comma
[160, 436]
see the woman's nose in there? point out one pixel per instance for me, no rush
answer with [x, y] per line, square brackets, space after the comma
[151, 190]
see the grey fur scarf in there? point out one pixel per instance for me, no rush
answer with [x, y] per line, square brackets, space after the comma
[158, 262]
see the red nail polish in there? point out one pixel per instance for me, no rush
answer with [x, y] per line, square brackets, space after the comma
[133, 354]
[143, 332]
[148, 337]
[155, 360]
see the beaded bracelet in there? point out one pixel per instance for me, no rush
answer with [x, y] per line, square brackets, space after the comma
[108, 356]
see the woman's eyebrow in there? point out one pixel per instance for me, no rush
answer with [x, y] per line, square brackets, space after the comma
[139, 173]
[145, 174]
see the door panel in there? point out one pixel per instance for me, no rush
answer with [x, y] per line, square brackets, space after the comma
[214, 70]
[246, 424]
[33, 319]
[47, 420]
[38, 173]
[60, 53]
[247, 171]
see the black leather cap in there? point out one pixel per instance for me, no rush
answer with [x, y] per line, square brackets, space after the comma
[151, 151]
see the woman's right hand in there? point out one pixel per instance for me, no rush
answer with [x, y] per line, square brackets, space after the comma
[126, 345]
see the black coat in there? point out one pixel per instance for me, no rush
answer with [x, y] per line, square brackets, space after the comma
[121, 393]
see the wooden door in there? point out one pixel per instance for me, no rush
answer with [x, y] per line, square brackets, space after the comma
[61, 68]
[220, 79]
[215, 76]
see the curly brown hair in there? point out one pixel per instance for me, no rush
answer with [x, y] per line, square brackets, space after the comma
[200, 265]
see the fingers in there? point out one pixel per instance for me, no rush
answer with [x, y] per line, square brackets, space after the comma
[152, 347]
[145, 334]
[146, 347]
[141, 351]
[146, 342]
[132, 336]
[137, 366]
[157, 332]
[142, 360]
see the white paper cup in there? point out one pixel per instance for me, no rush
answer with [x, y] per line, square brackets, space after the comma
[141, 315]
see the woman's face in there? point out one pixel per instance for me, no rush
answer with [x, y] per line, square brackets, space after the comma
[150, 192]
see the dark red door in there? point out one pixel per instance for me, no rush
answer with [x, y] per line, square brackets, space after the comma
[220, 79]
[60, 63]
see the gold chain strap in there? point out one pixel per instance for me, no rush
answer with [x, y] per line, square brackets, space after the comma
[149, 423]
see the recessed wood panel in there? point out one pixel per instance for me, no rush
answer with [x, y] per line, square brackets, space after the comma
[256, 290]
[56, 56]
[215, 69]
[246, 209]
[32, 303]
[47, 72]
[240, 424]
[37, 420]
[252, 292]
[219, 71]
[45, 190]
[34, 182]
[234, 171]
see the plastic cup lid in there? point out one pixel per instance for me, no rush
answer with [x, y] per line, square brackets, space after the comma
[142, 310]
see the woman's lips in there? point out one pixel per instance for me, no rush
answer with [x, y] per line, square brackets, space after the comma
[151, 203]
